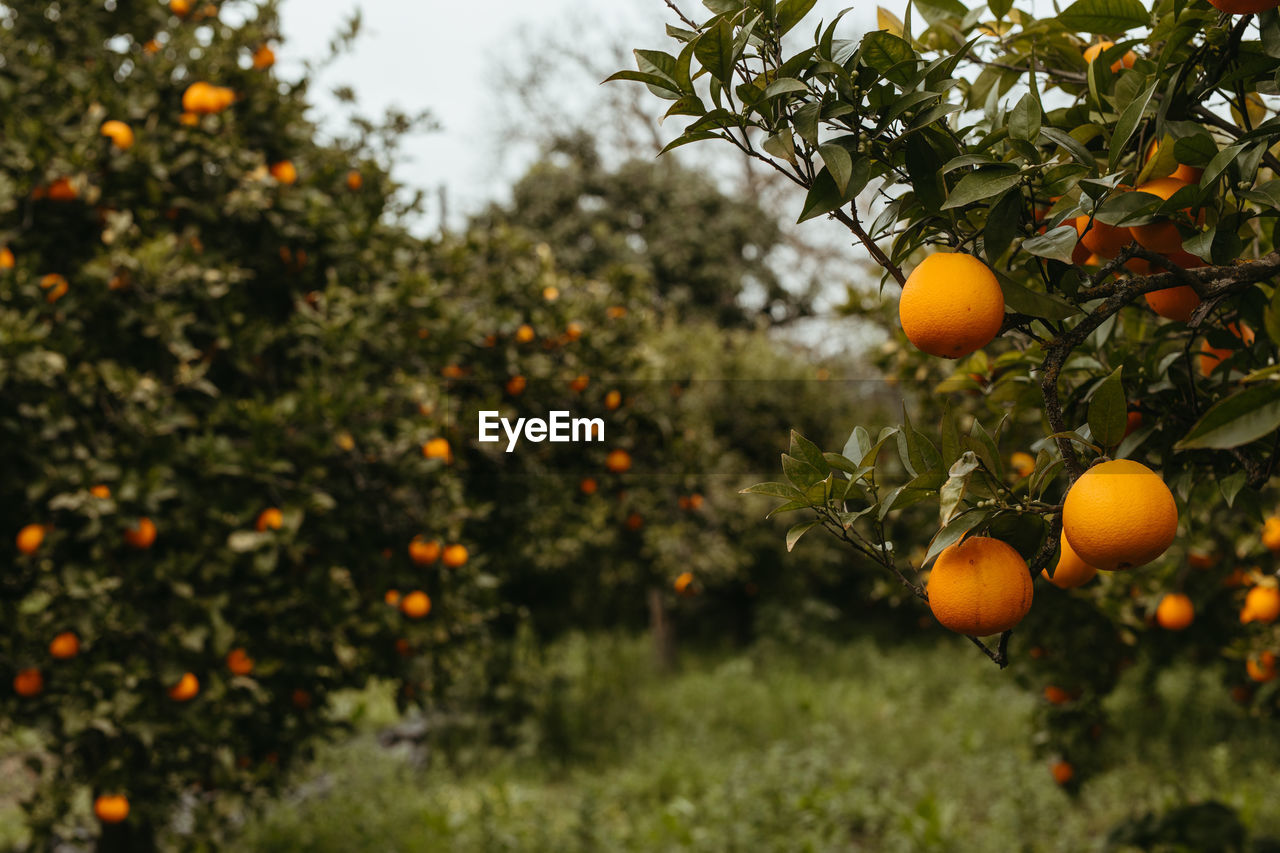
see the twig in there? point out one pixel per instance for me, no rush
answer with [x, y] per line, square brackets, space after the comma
[681, 16]
[852, 223]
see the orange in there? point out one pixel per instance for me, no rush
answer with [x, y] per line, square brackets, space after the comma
[1022, 463]
[345, 441]
[186, 688]
[111, 808]
[6, 258]
[588, 486]
[455, 556]
[28, 683]
[951, 305]
[1071, 571]
[684, 583]
[62, 190]
[438, 448]
[284, 171]
[618, 461]
[423, 552]
[695, 501]
[516, 385]
[550, 293]
[415, 605]
[1202, 559]
[1174, 303]
[613, 400]
[100, 491]
[1190, 174]
[1055, 695]
[270, 517]
[979, 586]
[1262, 604]
[1101, 239]
[120, 134]
[1161, 235]
[1211, 356]
[1132, 421]
[524, 334]
[1243, 7]
[142, 534]
[573, 331]
[64, 646]
[263, 58]
[355, 180]
[239, 662]
[1093, 51]
[1175, 612]
[634, 522]
[1262, 668]
[180, 7]
[30, 538]
[201, 98]
[1270, 534]
[56, 285]
[392, 597]
[1119, 515]
[1062, 772]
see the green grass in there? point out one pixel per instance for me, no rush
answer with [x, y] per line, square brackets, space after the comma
[853, 747]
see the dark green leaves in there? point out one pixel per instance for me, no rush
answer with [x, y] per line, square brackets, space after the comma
[791, 12]
[1105, 16]
[980, 185]
[714, 49]
[1056, 243]
[888, 54]
[1239, 419]
[1108, 411]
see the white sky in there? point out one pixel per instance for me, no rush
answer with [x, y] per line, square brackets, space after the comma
[443, 55]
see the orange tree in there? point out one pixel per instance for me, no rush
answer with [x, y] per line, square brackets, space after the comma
[1086, 204]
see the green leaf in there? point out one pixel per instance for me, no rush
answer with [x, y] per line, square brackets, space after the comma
[1024, 119]
[1128, 123]
[887, 54]
[1002, 225]
[1108, 411]
[791, 12]
[1104, 16]
[789, 506]
[981, 184]
[1024, 300]
[952, 492]
[799, 472]
[784, 86]
[839, 164]
[714, 50]
[1239, 419]
[806, 451]
[772, 490]
[1056, 243]
[794, 534]
[824, 197]
[954, 532]
[858, 444]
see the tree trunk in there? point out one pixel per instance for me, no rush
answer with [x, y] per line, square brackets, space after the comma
[662, 631]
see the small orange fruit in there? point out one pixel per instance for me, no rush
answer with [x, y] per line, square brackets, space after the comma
[618, 461]
[392, 597]
[1261, 668]
[271, 517]
[284, 171]
[1055, 695]
[423, 552]
[1022, 463]
[142, 534]
[1175, 612]
[524, 334]
[438, 448]
[516, 385]
[1174, 303]
[120, 134]
[201, 98]
[684, 583]
[1262, 604]
[1271, 534]
[1119, 515]
[1201, 559]
[111, 808]
[616, 312]
[186, 688]
[588, 486]
[1132, 421]
[1071, 571]
[7, 260]
[1190, 174]
[1101, 239]
[56, 285]
[573, 331]
[1062, 772]
[30, 538]
[1093, 51]
[634, 522]
[1243, 7]
[550, 293]
[180, 7]
[100, 491]
[239, 662]
[455, 556]
[979, 586]
[695, 501]
[263, 58]
[1161, 235]
[355, 180]
[64, 646]
[951, 305]
[613, 400]
[28, 683]
[62, 190]
[415, 605]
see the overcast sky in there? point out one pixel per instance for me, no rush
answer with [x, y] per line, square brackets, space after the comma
[444, 55]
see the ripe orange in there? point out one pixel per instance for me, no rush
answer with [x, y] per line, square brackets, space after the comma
[1174, 303]
[7, 260]
[263, 58]
[524, 334]
[28, 683]
[1271, 534]
[1175, 612]
[1071, 571]
[142, 534]
[951, 305]
[100, 491]
[1243, 7]
[423, 552]
[1062, 772]
[1101, 239]
[438, 448]
[201, 98]
[180, 7]
[1262, 668]
[415, 605]
[616, 312]
[64, 646]
[588, 486]
[1022, 463]
[573, 331]
[56, 285]
[455, 556]
[634, 522]
[618, 461]
[1132, 421]
[61, 190]
[30, 538]
[270, 517]
[613, 400]
[186, 688]
[1119, 515]
[284, 171]
[1161, 235]
[516, 385]
[1262, 604]
[355, 180]
[550, 293]
[1211, 356]
[392, 597]
[684, 583]
[979, 586]
[111, 808]
[1093, 51]
[1055, 695]
[695, 501]
[120, 134]
[239, 662]
[1202, 559]
[1190, 174]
